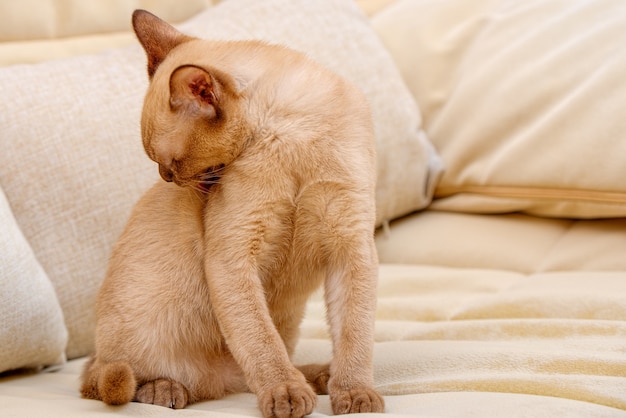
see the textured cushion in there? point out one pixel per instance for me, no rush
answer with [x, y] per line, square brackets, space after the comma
[72, 164]
[32, 332]
[523, 100]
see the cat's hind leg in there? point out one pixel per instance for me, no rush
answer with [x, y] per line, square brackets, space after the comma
[317, 376]
[113, 383]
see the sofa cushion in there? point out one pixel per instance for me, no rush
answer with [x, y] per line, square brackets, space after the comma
[72, 164]
[65, 18]
[509, 242]
[32, 331]
[523, 100]
[62, 28]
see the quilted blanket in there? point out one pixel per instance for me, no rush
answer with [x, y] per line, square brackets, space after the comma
[450, 342]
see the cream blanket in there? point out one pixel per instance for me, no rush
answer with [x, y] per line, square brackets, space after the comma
[448, 330]
[450, 343]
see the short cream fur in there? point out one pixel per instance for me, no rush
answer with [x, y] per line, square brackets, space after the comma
[207, 286]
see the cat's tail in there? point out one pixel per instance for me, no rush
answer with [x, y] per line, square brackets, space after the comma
[113, 383]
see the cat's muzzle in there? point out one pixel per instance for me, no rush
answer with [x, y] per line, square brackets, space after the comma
[166, 173]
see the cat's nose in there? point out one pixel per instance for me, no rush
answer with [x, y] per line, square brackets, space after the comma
[166, 173]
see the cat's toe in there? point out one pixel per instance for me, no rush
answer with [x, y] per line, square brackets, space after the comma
[288, 400]
[163, 392]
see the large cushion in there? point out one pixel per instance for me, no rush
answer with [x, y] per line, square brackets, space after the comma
[72, 164]
[523, 100]
[32, 331]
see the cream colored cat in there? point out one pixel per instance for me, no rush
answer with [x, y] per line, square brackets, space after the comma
[207, 286]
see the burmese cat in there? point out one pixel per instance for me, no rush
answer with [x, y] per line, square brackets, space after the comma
[269, 168]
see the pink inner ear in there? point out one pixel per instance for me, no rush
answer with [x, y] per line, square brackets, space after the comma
[202, 88]
[194, 91]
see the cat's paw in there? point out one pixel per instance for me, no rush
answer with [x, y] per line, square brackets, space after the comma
[317, 375]
[362, 399]
[163, 392]
[287, 400]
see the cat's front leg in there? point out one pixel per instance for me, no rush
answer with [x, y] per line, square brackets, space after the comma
[350, 291]
[239, 303]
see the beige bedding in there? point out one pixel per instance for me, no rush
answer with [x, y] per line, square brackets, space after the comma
[545, 340]
[451, 342]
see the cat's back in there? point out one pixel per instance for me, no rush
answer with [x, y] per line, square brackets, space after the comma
[318, 123]
[275, 78]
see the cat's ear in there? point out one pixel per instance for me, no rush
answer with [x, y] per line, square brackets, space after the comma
[195, 92]
[157, 37]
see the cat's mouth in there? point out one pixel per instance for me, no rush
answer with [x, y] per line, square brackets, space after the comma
[209, 177]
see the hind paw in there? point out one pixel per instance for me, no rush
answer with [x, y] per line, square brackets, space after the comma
[163, 392]
[317, 376]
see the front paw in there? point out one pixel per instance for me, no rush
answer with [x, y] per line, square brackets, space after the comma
[287, 400]
[362, 399]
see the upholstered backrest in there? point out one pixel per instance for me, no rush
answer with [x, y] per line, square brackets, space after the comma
[523, 100]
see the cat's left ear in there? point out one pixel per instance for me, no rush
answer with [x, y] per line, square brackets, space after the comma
[195, 91]
[157, 37]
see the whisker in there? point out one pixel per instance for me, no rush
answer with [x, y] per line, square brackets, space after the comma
[205, 180]
[213, 171]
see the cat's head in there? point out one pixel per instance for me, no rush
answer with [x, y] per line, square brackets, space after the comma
[191, 122]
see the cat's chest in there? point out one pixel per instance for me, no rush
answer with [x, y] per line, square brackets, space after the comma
[269, 214]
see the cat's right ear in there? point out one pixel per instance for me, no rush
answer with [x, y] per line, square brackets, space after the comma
[157, 37]
[195, 92]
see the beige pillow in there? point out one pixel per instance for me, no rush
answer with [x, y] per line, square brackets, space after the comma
[524, 101]
[32, 332]
[72, 163]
